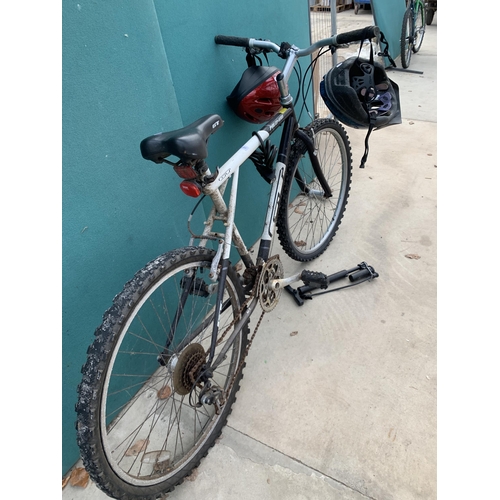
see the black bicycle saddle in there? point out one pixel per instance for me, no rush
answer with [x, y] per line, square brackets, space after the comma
[187, 143]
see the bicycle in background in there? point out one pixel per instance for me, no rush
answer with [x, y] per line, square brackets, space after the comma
[431, 8]
[413, 30]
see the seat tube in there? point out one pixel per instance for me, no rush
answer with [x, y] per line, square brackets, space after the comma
[224, 262]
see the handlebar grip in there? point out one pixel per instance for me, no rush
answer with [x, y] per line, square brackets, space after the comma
[236, 41]
[358, 35]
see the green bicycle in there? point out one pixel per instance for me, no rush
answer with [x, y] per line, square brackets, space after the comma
[412, 33]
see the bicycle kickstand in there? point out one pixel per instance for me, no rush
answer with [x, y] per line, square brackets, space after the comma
[313, 280]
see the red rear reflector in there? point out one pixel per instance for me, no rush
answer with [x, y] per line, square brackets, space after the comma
[190, 188]
[185, 171]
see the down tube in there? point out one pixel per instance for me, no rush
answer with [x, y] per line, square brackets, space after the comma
[269, 225]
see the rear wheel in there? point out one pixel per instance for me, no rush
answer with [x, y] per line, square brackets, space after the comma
[140, 427]
[307, 220]
[419, 27]
[429, 16]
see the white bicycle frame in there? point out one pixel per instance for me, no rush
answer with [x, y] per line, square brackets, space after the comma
[216, 189]
[226, 213]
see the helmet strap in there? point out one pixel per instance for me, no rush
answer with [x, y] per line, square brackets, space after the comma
[361, 47]
[367, 148]
[385, 53]
[252, 56]
[367, 107]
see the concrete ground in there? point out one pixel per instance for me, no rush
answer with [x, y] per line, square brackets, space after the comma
[346, 408]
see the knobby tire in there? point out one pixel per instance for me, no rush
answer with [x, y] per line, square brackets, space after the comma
[138, 433]
[406, 44]
[307, 221]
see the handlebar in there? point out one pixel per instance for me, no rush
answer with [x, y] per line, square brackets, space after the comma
[236, 41]
[357, 35]
[336, 40]
[239, 41]
[291, 53]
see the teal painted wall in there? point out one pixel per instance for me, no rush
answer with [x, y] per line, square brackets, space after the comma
[388, 16]
[132, 68]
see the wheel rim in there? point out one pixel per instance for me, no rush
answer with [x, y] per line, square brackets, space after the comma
[312, 217]
[149, 429]
[419, 28]
[407, 43]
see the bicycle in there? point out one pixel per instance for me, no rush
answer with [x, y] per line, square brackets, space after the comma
[413, 30]
[431, 7]
[167, 360]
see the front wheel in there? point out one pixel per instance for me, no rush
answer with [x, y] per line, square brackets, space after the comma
[406, 39]
[140, 427]
[307, 219]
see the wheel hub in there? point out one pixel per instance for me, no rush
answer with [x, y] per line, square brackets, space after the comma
[187, 368]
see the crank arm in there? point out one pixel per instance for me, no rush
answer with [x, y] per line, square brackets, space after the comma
[283, 282]
[319, 280]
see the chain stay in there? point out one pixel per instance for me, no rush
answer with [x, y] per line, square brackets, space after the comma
[256, 289]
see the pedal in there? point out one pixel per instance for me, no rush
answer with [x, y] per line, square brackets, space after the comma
[314, 278]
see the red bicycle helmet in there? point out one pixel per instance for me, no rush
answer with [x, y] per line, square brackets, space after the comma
[256, 97]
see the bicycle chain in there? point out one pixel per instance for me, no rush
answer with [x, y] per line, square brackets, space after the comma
[255, 290]
[242, 362]
[219, 341]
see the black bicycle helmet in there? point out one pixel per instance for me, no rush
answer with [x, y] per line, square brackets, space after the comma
[359, 93]
[256, 97]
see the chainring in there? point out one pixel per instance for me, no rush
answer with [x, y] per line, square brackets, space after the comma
[272, 270]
